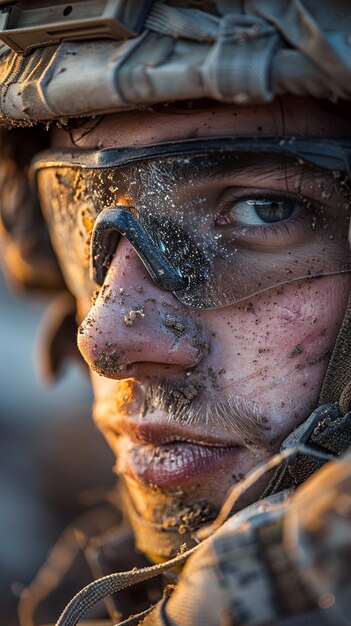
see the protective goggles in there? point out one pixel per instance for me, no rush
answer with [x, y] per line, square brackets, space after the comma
[214, 221]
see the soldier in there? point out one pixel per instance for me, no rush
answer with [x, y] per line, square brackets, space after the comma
[196, 192]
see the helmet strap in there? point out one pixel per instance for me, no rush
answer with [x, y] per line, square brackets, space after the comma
[336, 385]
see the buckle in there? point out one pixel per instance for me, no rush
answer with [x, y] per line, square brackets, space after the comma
[29, 24]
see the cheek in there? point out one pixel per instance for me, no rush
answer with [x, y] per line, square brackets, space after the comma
[275, 348]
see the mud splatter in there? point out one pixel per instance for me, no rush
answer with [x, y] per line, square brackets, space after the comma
[177, 327]
[296, 351]
[131, 317]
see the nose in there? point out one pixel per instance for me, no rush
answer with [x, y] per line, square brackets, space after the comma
[135, 328]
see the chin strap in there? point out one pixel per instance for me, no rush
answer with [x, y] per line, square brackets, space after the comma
[328, 429]
[336, 386]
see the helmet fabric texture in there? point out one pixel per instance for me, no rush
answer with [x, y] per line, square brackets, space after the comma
[242, 53]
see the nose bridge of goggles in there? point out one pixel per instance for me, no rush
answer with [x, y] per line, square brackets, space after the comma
[119, 220]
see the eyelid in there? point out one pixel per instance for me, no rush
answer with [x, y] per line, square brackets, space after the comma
[232, 195]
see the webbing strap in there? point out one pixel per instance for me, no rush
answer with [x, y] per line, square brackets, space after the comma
[336, 386]
[240, 61]
[327, 431]
[99, 589]
[241, 57]
[183, 22]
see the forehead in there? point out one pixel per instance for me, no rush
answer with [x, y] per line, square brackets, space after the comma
[288, 115]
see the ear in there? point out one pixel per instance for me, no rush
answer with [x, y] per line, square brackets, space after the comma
[58, 338]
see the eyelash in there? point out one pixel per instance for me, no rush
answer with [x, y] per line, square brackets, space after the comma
[271, 234]
[264, 194]
[284, 228]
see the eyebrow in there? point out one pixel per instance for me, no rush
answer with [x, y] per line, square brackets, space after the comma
[228, 167]
[177, 171]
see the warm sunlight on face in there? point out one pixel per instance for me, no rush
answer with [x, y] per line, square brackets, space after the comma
[191, 397]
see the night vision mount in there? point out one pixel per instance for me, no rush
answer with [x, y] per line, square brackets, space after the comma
[29, 24]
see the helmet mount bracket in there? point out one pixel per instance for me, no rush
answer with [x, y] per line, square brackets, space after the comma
[25, 26]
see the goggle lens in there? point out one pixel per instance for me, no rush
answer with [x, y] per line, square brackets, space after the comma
[228, 224]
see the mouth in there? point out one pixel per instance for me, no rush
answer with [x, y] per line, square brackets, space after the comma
[172, 456]
[174, 464]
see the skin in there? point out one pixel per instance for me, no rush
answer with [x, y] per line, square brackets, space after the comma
[267, 354]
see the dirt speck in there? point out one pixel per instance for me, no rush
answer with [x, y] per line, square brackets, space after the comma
[107, 364]
[121, 295]
[296, 351]
[177, 327]
[95, 296]
[189, 518]
[190, 392]
[130, 318]
[250, 308]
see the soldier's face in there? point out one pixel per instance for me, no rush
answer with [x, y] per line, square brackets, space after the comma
[190, 400]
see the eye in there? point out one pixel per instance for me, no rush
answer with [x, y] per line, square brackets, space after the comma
[259, 211]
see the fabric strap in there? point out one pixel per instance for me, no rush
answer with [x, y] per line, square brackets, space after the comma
[179, 22]
[337, 382]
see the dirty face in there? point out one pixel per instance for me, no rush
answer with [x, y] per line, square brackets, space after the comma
[190, 400]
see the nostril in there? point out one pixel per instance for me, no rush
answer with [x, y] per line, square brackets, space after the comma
[109, 364]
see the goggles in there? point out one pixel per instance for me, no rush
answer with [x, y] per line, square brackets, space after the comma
[214, 221]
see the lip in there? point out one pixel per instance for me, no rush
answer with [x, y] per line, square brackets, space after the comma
[168, 455]
[161, 433]
[175, 463]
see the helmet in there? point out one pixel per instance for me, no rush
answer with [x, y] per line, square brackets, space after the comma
[87, 58]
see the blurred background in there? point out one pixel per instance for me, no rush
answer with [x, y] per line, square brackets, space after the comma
[51, 455]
